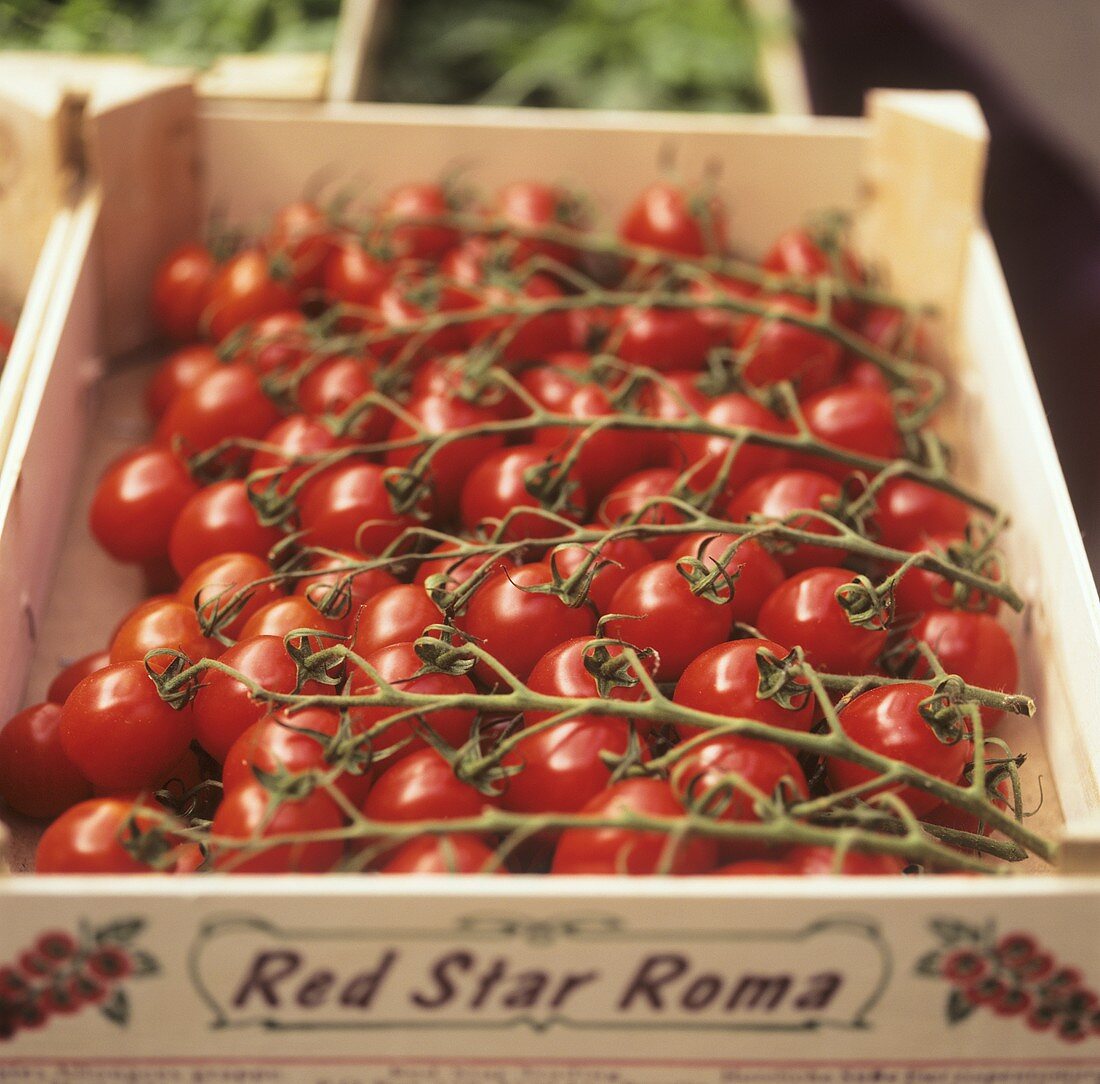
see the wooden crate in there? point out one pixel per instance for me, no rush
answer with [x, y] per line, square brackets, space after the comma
[359, 978]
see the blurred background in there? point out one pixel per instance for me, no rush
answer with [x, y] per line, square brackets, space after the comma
[1031, 65]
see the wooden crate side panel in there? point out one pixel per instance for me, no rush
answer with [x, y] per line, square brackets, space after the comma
[143, 154]
[47, 439]
[772, 171]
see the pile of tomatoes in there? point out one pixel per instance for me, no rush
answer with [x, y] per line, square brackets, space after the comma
[480, 541]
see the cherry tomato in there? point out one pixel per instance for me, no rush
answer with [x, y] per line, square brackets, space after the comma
[334, 384]
[724, 680]
[777, 496]
[524, 337]
[230, 581]
[284, 615]
[974, 646]
[218, 519]
[353, 277]
[277, 343]
[296, 443]
[405, 302]
[677, 396]
[664, 339]
[664, 616]
[920, 590]
[224, 708]
[532, 205]
[227, 403]
[457, 853]
[907, 511]
[335, 589]
[636, 499]
[37, 779]
[498, 485]
[423, 786]
[518, 627]
[630, 850]
[622, 556]
[673, 219]
[245, 815]
[707, 454]
[137, 501]
[179, 371]
[181, 288]
[73, 674]
[803, 610]
[757, 867]
[607, 456]
[886, 720]
[117, 731]
[92, 837]
[452, 462]
[780, 350]
[395, 615]
[857, 419]
[244, 289]
[301, 232]
[811, 861]
[755, 572]
[295, 743]
[348, 507]
[799, 254]
[423, 240]
[721, 778]
[399, 665]
[165, 622]
[460, 570]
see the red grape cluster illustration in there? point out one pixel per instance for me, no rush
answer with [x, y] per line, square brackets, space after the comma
[1011, 975]
[61, 974]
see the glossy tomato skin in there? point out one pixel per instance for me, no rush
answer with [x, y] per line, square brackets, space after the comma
[180, 370]
[811, 861]
[73, 674]
[395, 615]
[664, 616]
[423, 786]
[803, 610]
[399, 665]
[907, 511]
[218, 519]
[181, 289]
[718, 778]
[920, 591]
[118, 732]
[677, 397]
[725, 680]
[452, 463]
[457, 853]
[664, 339]
[757, 573]
[244, 814]
[301, 233]
[973, 645]
[498, 484]
[347, 507]
[277, 343]
[296, 437]
[707, 454]
[857, 419]
[224, 708]
[780, 350]
[282, 743]
[284, 615]
[166, 622]
[798, 254]
[137, 501]
[638, 499]
[630, 851]
[668, 217]
[335, 384]
[353, 277]
[524, 337]
[781, 493]
[244, 289]
[213, 585]
[531, 205]
[421, 200]
[561, 768]
[518, 627]
[332, 586]
[607, 456]
[226, 403]
[624, 556]
[89, 837]
[886, 720]
[37, 779]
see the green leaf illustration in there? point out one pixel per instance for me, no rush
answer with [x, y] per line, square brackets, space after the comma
[958, 1007]
[117, 1008]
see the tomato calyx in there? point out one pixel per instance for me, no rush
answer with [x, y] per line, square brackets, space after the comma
[783, 679]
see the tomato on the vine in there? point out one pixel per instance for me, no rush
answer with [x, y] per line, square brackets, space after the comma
[181, 289]
[673, 219]
[37, 778]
